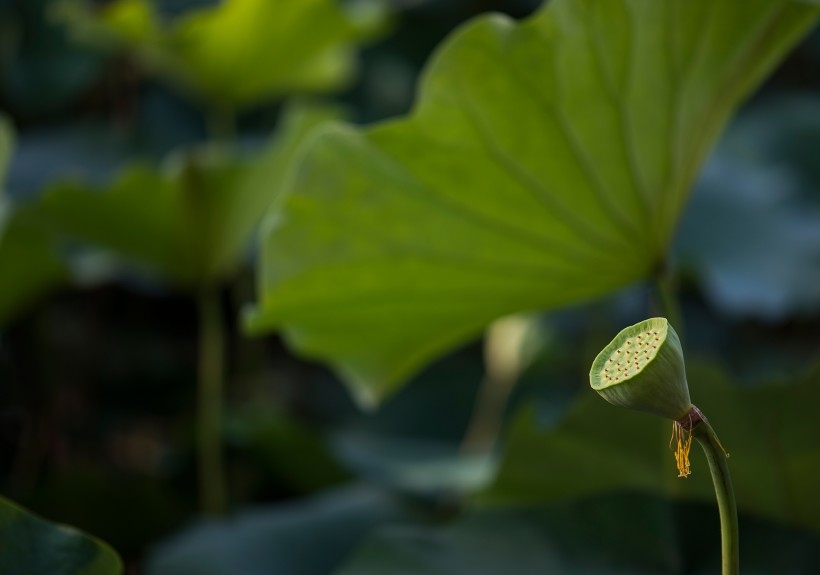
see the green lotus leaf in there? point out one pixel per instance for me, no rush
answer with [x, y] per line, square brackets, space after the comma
[546, 163]
[33, 546]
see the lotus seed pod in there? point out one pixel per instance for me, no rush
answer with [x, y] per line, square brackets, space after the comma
[643, 368]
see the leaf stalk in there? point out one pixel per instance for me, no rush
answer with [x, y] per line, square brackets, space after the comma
[209, 425]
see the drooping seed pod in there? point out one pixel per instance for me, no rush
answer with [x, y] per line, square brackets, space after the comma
[642, 368]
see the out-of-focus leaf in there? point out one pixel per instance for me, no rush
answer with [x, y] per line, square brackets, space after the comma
[752, 230]
[414, 444]
[191, 221]
[29, 267]
[546, 163]
[416, 466]
[240, 52]
[44, 155]
[310, 538]
[96, 501]
[602, 536]
[159, 220]
[33, 546]
[771, 433]
[291, 453]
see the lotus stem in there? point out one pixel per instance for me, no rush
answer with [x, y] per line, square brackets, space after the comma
[209, 425]
[716, 455]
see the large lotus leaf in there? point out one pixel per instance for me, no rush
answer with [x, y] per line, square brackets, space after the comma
[29, 267]
[33, 546]
[546, 163]
[240, 52]
[191, 221]
[619, 534]
[770, 432]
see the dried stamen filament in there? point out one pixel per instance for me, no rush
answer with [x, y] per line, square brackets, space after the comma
[683, 438]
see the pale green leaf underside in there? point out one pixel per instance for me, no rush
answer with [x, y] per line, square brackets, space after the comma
[34, 546]
[546, 163]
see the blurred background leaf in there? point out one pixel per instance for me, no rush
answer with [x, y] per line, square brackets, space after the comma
[191, 222]
[241, 52]
[558, 181]
[596, 449]
[624, 533]
[751, 232]
[91, 151]
[29, 267]
[33, 546]
[309, 538]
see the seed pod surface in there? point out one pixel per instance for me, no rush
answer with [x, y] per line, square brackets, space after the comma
[643, 368]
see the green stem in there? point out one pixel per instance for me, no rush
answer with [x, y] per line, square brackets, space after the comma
[211, 374]
[504, 362]
[716, 455]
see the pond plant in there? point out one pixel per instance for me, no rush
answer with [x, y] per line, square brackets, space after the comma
[643, 369]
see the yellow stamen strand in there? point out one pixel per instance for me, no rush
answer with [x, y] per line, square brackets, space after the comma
[684, 444]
